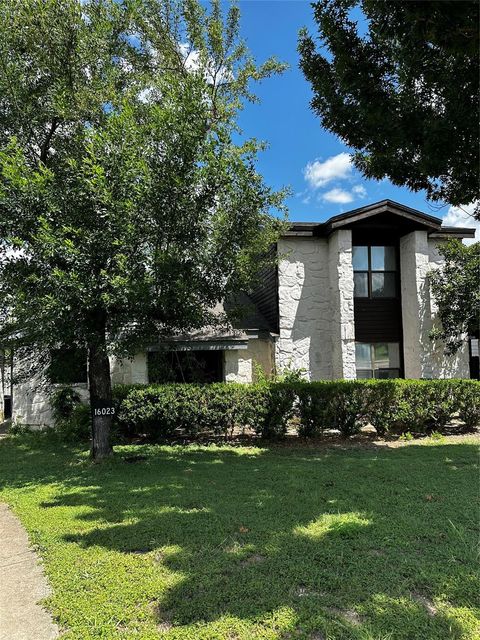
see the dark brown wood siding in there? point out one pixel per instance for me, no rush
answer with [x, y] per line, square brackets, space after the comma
[265, 294]
[378, 320]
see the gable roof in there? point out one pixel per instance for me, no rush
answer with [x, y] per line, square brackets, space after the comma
[421, 220]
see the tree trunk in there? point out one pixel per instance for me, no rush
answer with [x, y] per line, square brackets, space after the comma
[100, 397]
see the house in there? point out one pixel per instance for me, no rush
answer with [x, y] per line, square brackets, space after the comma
[349, 298]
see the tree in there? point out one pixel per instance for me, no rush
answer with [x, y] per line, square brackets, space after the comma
[405, 94]
[127, 211]
[455, 286]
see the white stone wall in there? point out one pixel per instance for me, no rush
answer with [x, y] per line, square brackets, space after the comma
[239, 364]
[424, 358]
[129, 371]
[305, 307]
[31, 402]
[342, 309]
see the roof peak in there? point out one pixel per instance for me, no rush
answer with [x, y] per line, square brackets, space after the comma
[410, 215]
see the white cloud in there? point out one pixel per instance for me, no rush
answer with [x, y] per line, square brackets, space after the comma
[359, 191]
[339, 196]
[462, 217]
[318, 174]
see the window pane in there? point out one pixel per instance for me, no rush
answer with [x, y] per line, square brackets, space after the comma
[360, 258]
[386, 355]
[360, 285]
[364, 373]
[394, 355]
[381, 359]
[383, 285]
[383, 258]
[387, 373]
[363, 355]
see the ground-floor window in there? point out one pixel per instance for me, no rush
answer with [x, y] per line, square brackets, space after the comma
[185, 366]
[68, 365]
[377, 360]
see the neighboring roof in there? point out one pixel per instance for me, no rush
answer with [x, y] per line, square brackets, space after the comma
[249, 325]
[430, 223]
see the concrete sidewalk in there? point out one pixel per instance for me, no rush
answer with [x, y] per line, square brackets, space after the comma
[22, 585]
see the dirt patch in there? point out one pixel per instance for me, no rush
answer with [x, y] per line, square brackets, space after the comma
[256, 558]
[162, 617]
[348, 615]
[304, 592]
[427, 604]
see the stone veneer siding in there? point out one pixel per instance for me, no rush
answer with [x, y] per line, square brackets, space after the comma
[305, 320]
[424, 358]
[317, 329]
[342, 308]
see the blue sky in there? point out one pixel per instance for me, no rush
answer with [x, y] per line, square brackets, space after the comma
[301, 154]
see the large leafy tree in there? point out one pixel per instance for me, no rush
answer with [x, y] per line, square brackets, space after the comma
[456, 288]
[401, 87]
[127, 210]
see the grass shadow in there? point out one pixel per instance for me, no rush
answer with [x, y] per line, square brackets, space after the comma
[338, 543]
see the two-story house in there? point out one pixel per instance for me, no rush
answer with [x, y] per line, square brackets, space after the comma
[349, 298]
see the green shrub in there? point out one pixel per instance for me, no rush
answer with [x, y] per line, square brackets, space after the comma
[273, 406]
[72, 419]
[347, 406]
[63, 401]
[160, 410]
[78, 427]
[382, 405]
[391, 406]
[419, 406]
[426, 405]
[339, 404]
[466, 402]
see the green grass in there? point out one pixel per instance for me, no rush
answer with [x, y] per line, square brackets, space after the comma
[241, 543]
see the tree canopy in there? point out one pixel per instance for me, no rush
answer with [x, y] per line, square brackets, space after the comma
[455, 286]
[401, 88]
[128, 208]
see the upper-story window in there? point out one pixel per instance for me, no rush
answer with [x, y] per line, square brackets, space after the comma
[374, 272]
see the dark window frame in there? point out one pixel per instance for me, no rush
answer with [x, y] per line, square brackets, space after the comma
[374, 369]
[371, 271]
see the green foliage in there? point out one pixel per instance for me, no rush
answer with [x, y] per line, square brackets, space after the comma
[467, 403]
[72, 419]
[405, 94]
[421, 406]
[63, 401]
[269, 408]
[456, 288]
[128, 208]
[216, 409]
[78, 427]
[330, 405]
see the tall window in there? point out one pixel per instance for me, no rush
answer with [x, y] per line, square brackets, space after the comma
[374, 272]
[377, 360]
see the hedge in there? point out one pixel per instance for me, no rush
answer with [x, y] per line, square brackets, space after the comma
[391, 406]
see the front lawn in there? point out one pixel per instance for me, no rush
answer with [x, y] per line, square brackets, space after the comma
[204, 543]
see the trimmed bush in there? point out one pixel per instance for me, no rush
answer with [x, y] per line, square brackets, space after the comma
[159, 410]
[418, 406]
[466, 400]
[382, 405]
[391, 406]
[331, 405]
